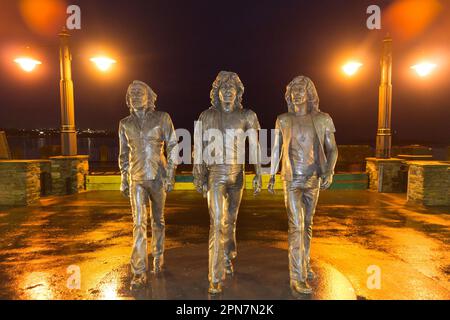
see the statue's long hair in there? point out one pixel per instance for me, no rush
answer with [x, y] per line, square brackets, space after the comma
[312, 96]
[151, 95]
[224, 77]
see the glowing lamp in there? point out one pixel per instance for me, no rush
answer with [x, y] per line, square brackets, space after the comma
[27, 64]
[423, 69]
[351, 67]
[103, 63]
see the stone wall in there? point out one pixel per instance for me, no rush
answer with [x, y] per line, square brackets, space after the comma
[23, 182]
[352, 158]
[386, 175]
[429, 183]
[68, 174]
[20, 181]
[414, 149]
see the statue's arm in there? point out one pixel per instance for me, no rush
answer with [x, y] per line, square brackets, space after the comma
[276, 150]
[253, 124]
[258, 169]
[199, 168]
[171, 143]
[331, 151]
[276, 155]
[331, 154]
[124, 160]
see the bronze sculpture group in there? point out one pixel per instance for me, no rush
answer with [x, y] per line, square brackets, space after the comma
[304, 144]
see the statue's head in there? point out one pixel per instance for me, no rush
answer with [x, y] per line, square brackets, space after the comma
[227, 91]
[140, 96]
[301, 90]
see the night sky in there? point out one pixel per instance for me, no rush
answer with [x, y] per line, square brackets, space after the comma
[178, 47]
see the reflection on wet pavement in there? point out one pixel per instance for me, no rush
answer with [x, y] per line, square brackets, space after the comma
[353, 230]
[260, 274]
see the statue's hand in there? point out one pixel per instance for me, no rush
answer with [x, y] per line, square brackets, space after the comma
[125, 189]
[199, 185]
[271, 185]
[326, 182]
[169, 184]
[205, 190]
[257, 184]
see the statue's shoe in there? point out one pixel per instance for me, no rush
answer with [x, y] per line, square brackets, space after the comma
[139, 281]
[215, 288]
[300, 287]
[229, 270]
[158, 264]
[311, 275]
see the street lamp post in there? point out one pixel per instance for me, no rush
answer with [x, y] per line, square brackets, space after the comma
[384, 136]
[69, 170]
[68, 131]
[384, 172]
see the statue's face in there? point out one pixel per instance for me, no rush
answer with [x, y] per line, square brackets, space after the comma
[227, 95]
[298, 96]
[138, 97]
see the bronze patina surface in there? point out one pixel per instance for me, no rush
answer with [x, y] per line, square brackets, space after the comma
[305, 144]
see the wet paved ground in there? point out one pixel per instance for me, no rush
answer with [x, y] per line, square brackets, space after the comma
[353, 231]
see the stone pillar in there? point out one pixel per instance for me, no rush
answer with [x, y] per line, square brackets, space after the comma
[20, 181]
[69, 174]
[429, 183]
[386, 175]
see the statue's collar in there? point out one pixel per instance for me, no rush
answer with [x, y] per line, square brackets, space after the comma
[146, 112]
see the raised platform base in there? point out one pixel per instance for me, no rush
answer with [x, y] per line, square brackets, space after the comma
[342, 181]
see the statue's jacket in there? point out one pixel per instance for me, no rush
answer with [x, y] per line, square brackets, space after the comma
[212, 118]
[141, 155]
[322, 123]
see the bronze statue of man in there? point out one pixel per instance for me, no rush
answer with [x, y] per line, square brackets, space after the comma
[222, 179]
[146, 174]
[305, 143]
